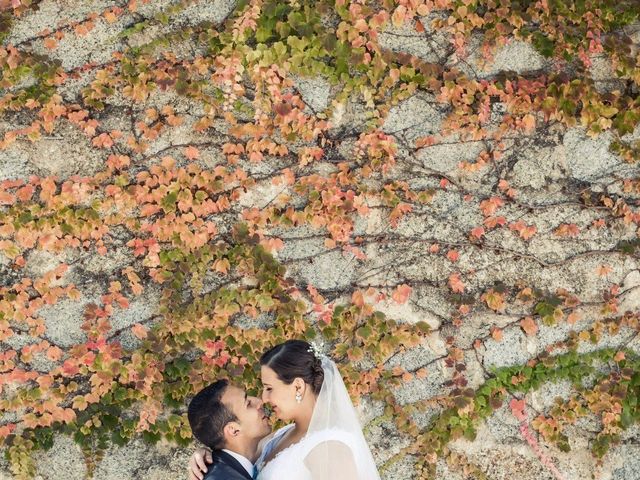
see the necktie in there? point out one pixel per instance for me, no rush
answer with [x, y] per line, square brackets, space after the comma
[255, 472]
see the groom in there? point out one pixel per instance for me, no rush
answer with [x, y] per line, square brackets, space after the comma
[231, 423]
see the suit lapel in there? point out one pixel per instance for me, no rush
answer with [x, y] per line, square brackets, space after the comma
[232, 462]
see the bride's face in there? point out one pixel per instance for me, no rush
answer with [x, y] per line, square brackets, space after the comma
[279, 395]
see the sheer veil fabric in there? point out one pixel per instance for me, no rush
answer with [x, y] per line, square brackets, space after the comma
[335, 423]
[334, 447]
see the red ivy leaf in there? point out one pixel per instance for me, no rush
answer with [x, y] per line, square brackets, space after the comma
[283, 108]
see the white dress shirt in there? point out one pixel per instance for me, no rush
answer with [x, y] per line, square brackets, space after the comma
[244, 461]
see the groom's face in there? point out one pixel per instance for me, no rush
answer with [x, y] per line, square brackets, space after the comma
[252, 421]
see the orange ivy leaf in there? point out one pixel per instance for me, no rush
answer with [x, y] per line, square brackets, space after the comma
[399, 16]
[74, 294]
[54, 353]
[493, 222]
[518, 409]
[102, 141]
[6, 198]
[84, 28]
[567, 230]
[453, 255]
[5, 430]
[573, 317]
[401, 293]
[488, 207]
[477, 232]
[111, 15]
[529, 326]
[80, 403]
[462, 11]
[357, 298]
[191, 153]
[524, 231]
[529, 122]
[50, 43]
[425, 141]
[222, 265]
[496, 334]
[494, 300]
[455, 283]
[329, 243]
[272, 244]
[25, 193]
[140, 331]
[68, 415]
[604, 270]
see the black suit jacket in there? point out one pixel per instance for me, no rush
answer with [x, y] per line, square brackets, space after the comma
[225, 467]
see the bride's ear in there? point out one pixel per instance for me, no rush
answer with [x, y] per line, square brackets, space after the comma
[299, 385]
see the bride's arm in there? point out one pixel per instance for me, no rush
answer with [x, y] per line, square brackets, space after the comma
[331, 460]
[197, 465]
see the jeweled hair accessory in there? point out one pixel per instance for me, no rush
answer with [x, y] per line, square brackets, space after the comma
[317, 348]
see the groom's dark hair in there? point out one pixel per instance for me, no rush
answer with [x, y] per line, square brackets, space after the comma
[208, 415]
[294, 359]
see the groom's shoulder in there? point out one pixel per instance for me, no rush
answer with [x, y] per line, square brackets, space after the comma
[221, 469]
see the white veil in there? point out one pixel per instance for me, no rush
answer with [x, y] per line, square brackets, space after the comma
[337, 448]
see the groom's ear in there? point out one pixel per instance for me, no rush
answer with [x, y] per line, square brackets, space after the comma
[231, 430]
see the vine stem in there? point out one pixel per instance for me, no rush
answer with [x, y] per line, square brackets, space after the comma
[518, 408]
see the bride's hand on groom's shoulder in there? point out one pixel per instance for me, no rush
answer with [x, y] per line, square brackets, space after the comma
[197, 466]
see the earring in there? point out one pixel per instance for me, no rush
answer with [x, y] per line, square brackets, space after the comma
[298, 397]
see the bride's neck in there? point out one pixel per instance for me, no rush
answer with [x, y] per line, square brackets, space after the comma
[303, 419]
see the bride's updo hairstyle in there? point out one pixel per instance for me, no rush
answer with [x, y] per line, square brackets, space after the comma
[294, 359]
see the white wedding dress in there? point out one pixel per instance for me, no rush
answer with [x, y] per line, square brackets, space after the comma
[333, 447]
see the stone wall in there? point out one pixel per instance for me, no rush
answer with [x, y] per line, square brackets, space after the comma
[554, 171]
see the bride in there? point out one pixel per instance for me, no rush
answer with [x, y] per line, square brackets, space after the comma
[324, 440]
